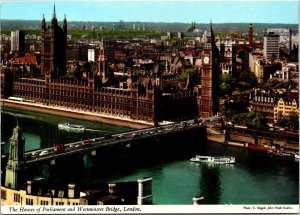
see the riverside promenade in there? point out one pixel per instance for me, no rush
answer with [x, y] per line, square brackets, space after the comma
[77, 114]
[290, 145]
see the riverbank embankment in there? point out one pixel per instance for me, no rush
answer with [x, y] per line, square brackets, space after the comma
[77, 114]
[282, 142]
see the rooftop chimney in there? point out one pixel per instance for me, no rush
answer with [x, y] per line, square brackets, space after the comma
[111, 188]
[71, 190]
[29, 188]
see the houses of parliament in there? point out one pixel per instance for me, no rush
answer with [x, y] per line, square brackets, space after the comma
[142, 99]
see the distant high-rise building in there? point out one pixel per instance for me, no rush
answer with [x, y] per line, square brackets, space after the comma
[53, 46]
[91, 55]
[17, 41]
[271, 46]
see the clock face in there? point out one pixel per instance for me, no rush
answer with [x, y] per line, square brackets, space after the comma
[206, 60]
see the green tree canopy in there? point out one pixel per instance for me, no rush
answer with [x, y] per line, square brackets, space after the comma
[248, 77]
[192, 75]
[251, 119]
[274, 83]
[227, 84]
[293, 121]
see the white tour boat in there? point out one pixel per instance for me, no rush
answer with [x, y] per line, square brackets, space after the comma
[68, 126]
[213, 159]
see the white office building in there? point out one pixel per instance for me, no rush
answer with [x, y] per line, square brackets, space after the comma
[271, 46]
[15, 41]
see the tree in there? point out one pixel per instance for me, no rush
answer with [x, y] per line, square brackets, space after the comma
[244, 86]
[248, 77]
[274, 83]
[282, 120]
[258, 121]
[187, 72]
[252, 119]
[224, 89]
[293, 121]
[72, 69]
[227, 84]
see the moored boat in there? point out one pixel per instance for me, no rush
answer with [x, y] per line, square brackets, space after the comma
[213, 159]
[249, 146]
[296, 157]
[279, 153]
[68, 126]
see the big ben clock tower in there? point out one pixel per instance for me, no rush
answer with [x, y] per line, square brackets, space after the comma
[208, 100]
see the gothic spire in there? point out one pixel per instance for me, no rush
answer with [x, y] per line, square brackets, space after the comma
[43, 22]
[54, 20]
[54, 13]
[65, 20]
[212, 33]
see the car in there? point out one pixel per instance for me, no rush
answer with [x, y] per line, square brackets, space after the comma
[43, 153]
[119, 137]
[34, 153]
[77, 145]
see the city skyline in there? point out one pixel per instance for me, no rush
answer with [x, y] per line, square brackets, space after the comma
[285, 12]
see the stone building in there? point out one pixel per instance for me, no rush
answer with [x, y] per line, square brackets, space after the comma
[53, 46]
[271, 46]
[228, 53]
[17, 41]
[274, 104]
[208, 99]
[98, 92]
[285, 105]
[263, 101]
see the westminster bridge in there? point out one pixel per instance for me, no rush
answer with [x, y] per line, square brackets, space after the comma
[186, 131]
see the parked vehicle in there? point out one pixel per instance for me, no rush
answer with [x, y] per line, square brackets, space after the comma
[107, 136]
[86, 143]
[59, 148]
[43, 153]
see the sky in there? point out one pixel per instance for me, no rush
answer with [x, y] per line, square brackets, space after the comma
[198, 11]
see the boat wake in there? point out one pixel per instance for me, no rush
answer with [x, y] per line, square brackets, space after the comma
[19, 115]
[95, 130]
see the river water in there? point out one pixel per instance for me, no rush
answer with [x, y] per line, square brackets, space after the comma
[256, 178]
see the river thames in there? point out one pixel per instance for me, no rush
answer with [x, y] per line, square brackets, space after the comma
[255, 178]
